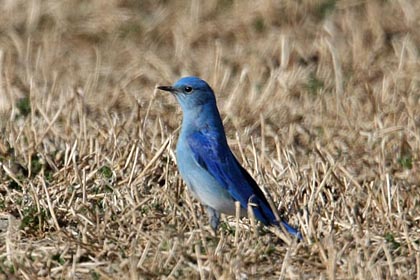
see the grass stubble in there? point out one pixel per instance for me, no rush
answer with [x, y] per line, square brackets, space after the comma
[320, 101]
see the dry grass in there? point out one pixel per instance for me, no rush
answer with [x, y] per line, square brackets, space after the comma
[321, 102]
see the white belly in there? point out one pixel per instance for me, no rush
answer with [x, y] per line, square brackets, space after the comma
[205, 187]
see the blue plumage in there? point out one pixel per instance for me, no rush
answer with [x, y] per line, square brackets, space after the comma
[205, 161]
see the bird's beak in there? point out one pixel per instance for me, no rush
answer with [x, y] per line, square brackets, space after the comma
[167, 88]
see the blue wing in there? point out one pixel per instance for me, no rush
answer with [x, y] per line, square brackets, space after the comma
[213, 154]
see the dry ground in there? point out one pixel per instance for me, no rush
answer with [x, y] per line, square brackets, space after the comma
[320, 101]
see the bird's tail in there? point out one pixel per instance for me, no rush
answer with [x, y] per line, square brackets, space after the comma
[292, 230]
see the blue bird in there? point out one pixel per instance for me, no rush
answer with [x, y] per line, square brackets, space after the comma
[206, 163]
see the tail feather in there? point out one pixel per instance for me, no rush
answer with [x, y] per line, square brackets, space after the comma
[292, 230]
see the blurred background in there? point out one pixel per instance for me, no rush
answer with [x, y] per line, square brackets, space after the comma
[329, 66]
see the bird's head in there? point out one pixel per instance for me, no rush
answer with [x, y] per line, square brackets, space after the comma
[191, 92]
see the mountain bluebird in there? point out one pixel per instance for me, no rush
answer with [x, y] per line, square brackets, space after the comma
[206, 163]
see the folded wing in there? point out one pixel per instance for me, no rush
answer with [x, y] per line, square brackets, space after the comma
[216, 157]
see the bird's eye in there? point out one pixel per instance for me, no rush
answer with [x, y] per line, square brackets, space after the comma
[188, 89]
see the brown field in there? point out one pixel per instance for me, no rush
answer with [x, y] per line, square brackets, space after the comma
[320, 100]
